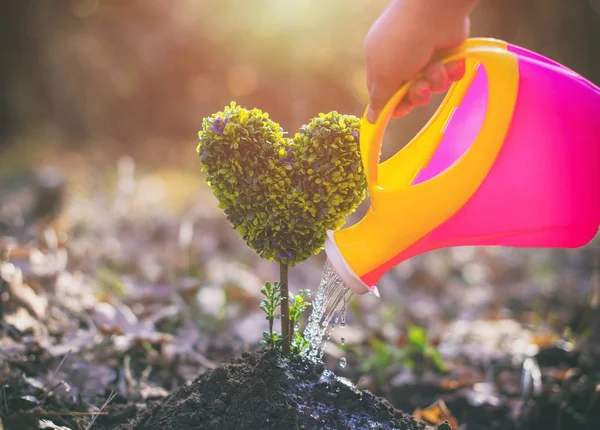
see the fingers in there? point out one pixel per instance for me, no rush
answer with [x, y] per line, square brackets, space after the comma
[437, 78]
[403, 108]
[455, 70]
[418, 94]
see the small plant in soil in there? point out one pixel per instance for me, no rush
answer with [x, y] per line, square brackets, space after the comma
[298, 304]
[417, 352]
[283, 194]
[269, 305]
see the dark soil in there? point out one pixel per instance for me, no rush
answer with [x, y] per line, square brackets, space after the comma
[104, 319]
[569, 397]
[265, 390]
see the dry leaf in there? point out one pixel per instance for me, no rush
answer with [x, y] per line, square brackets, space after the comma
[436, 414]
[544, 340]
[24, 294]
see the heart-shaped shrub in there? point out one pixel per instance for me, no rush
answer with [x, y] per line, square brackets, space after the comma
[283, 194]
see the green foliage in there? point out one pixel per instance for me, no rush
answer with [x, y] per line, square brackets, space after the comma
[272, 300]
[273, 339]
[419, 345]
[268, 305]
[298, 304]
[299, 344]
[283, 194]
[385, 355]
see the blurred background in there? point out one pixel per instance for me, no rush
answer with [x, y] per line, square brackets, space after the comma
[104, 210]
[79, 74]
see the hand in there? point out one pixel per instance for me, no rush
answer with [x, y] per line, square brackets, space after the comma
[402, 42]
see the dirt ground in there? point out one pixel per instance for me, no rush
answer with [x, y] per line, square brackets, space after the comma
[122, 288]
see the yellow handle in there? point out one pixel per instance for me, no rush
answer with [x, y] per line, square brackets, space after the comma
[480, 49]
[402, 213]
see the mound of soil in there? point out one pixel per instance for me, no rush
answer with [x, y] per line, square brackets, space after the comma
[267, 390]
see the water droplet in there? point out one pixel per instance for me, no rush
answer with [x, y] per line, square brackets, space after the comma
[343, 362]
[342, 341]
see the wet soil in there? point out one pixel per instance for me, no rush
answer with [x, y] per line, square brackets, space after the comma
[266, 390]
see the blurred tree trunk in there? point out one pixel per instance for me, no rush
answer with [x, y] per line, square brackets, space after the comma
[15, 44]
[567, 31]
[53, 65]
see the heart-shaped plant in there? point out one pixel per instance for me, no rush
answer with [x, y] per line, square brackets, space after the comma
[283, 194]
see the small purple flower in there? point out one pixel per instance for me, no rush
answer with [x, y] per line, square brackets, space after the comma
[290, 159]
[284, 254]
[355, 134]
[219, 125]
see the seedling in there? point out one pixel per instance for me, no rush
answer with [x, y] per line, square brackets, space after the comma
[269, 305]
[298, 304]
[384, 355]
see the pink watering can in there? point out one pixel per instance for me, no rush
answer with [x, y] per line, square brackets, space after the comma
[510, 158]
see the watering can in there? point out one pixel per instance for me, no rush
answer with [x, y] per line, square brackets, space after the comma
[510, 158]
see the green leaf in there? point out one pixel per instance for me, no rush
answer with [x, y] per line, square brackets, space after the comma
[417, 335]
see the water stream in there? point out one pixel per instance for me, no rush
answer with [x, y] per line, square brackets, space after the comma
[328, 305]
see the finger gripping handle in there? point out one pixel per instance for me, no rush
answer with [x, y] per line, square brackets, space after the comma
[486, 51]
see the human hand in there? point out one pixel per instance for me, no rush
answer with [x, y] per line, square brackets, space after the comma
[402, 43]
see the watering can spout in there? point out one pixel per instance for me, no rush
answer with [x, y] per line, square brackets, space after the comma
[510, 158]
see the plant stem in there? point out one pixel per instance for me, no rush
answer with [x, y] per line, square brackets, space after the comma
[285, 307]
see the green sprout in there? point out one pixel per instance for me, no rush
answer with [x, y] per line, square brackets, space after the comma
[268, 305]
[420, 346]
[384, 355]
[298, 305]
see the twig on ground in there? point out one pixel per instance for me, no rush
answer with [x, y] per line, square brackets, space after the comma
[4, 397]
[131, 383]
[47, 389]
[110, 398]
[201, 359]
[72, 413]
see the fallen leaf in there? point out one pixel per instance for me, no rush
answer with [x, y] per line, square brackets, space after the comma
[25, 295]
[436, 414]
[47, 424]
[543, 340]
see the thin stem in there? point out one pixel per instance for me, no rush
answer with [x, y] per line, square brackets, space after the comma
[285, 307]
[292, 324]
